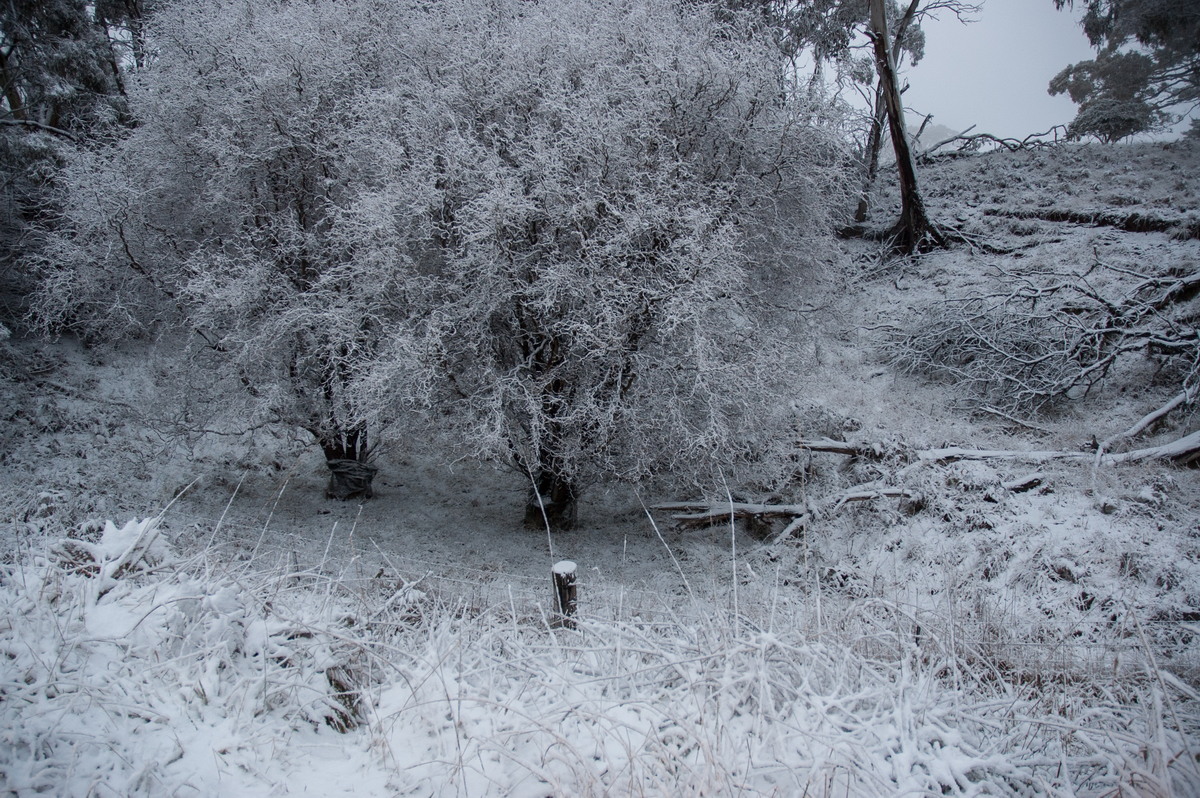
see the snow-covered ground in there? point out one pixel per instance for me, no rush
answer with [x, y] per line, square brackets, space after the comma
[257, 639]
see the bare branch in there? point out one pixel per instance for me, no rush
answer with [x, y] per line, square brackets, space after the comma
[35, 125]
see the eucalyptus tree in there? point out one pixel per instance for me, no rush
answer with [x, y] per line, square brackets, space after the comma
[1146, 73]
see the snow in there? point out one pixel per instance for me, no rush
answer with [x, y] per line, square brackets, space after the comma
[196, 682]
[256, 639]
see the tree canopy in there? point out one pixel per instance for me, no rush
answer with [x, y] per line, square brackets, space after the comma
[1146, 72]
[535, 222]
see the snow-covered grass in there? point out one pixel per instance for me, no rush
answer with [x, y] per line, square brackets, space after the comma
[129, 668]
[970, 639]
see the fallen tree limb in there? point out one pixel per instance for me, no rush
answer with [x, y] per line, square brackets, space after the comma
[33, 125]
[870, 451]
[1183, 451]
[953, 454]
[973, 142]
[872, 493]
[718, 512]
[1178, 400]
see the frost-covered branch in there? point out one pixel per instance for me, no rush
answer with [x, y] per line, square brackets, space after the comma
[1053, 337]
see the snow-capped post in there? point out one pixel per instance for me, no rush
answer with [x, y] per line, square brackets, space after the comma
[564, 594]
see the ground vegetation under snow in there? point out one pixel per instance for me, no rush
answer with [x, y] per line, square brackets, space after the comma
[957, 593]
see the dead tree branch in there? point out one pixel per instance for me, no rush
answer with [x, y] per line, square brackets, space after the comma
[974, 142]
[1179, 400]
[35, 125]
[705, 513]
[1184, 451]
[1052, 337]
[867, 451]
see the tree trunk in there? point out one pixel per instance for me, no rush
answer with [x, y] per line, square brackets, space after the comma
[913, 232]
[553, 500]
[874, 146]
[346, 456]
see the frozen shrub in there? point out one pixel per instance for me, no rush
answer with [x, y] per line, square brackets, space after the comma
[535, 219]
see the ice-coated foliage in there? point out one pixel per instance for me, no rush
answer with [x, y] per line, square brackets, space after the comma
[600, 178]
[222, 210]
[536, 218]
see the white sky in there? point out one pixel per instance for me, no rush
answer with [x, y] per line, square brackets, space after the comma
[993, 73]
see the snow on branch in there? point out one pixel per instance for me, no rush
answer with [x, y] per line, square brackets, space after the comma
[973, 142]
[1052, 337]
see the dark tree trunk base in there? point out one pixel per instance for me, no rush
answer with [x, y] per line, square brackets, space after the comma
[350, 479]
[913, 237]
[557, 506]
[349, 475]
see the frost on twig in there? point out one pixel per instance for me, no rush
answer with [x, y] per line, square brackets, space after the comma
[1051, 337]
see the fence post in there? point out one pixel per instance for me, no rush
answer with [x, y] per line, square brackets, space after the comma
[564, 593]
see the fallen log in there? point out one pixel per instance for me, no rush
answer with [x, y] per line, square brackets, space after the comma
[1180, 399]
[870, 451]
[718, 512]
[952, 454]
[868, 494]
[1184, 451]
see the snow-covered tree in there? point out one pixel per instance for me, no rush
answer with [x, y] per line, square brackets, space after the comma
[536, 220]
[59, 85]
[601, 176]
[223, 209]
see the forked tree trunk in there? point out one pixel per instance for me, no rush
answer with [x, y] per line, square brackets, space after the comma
[913, 232]
[346, 456]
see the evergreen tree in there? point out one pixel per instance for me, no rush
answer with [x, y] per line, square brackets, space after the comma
[1146, 73]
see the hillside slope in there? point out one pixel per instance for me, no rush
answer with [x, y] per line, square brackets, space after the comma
[968, 587]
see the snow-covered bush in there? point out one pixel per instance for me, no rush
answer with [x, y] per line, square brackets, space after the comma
[221, 213]
[600, 179]
[537, 217]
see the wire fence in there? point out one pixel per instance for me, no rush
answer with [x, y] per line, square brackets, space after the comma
[873, 626]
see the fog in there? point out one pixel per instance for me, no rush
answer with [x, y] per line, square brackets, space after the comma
[993, 72]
